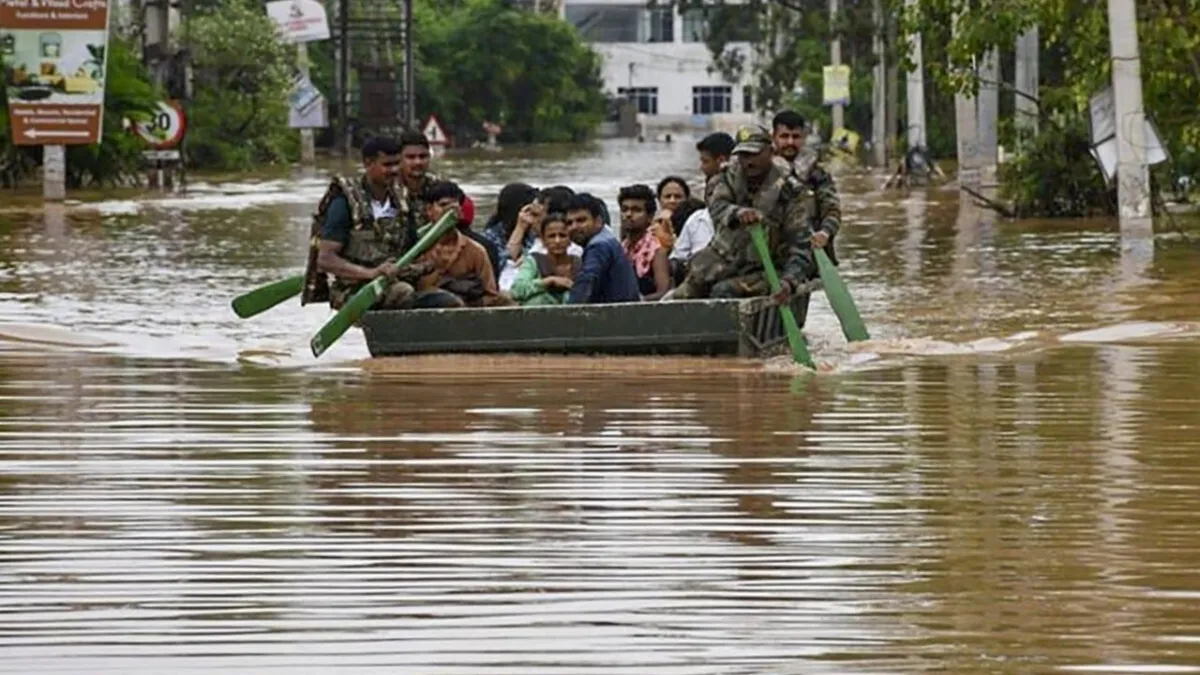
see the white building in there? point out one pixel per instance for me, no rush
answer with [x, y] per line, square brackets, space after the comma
[657, 57]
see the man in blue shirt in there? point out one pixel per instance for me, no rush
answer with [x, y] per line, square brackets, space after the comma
[605, 274]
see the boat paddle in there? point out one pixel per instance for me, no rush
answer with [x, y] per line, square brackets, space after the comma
[839, 298]
[263, 298]
[362, 300]
[794, 336]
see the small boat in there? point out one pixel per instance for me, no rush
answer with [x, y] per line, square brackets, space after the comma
[740, 328]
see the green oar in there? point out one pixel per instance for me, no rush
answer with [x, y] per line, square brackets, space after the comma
[794, 336]
[839, 299]
[366, 296]
[263, 298]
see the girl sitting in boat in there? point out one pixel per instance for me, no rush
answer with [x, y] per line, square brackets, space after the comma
[545, 276]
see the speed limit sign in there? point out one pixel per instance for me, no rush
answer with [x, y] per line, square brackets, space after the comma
[166, 126]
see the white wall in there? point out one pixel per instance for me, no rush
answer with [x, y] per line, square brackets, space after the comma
[673, 67]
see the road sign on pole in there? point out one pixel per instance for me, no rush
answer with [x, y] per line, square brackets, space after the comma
[55, 62]
[165, 128]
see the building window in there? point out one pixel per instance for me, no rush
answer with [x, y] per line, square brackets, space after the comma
[606, 23]
[747, 99]
[739, 21]
[645, 98]
[712, 100]
[661, 25]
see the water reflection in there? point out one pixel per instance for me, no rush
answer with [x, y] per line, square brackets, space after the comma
[165, 507]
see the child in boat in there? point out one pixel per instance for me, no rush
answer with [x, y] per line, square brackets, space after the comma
[545, 276]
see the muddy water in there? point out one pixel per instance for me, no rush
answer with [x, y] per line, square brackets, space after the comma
[1002, 481]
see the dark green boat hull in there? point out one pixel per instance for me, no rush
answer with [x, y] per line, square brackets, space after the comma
[741, 328]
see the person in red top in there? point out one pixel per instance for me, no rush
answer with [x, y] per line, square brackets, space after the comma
[643, 249]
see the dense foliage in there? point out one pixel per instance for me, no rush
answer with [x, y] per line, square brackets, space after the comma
[530, 72]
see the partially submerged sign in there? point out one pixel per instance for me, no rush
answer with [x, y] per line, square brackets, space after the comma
[54, 53]
[299, 20]
[1103, 118]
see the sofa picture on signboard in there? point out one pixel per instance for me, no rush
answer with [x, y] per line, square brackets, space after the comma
[49, 66]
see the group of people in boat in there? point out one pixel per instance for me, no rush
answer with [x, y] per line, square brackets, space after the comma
[557, 246]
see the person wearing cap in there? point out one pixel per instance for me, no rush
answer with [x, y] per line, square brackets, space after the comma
[757, 187]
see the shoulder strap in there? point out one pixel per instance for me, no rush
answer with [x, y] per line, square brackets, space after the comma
[352, 191]
[545, 267]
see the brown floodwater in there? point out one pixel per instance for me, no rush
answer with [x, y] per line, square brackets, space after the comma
[1004, 480]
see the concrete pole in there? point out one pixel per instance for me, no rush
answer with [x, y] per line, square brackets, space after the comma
[1133, 176]
[1027, 83]
[893, 93]
[966, 133]
[410, 91]
[308, 153]
[54, 173]
[835, 58]
[879, 132]
[916, 90]
[989, 115]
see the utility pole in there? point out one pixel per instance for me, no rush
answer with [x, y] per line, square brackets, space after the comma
[966, 132]
[344, 69]
[835, 58]
[1026, 88]
[410, 92]
[879, 90]
[1133, 175]
[308, 154]
[989, 114]
[916, 90]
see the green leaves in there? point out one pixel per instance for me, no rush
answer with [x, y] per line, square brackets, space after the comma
[481, 60]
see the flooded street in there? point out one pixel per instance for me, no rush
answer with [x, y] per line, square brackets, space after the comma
[1004, 480]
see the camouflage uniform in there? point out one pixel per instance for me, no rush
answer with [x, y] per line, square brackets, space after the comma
[729, 267]
[372, 242]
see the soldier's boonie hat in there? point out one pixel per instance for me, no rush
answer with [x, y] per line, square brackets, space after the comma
[752, 139]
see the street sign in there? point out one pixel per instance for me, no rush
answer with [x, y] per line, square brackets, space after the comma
[434, 132]
[299, 20]
[54, 55]
[165, 128]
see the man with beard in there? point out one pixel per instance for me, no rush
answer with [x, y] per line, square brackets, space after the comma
[756, 188]
[788, 136]
[605, 274]
[363, 224]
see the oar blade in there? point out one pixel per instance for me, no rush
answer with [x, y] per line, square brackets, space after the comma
[839, 299]
[790, 327]
[263, 298]
[350, 312]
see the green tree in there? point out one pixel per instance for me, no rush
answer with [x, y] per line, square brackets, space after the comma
[1057, 175]
[241, 79]
[531, 72]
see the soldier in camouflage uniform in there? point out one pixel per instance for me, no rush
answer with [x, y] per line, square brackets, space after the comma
[757, 187]
[362, 225]
[789, 135]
